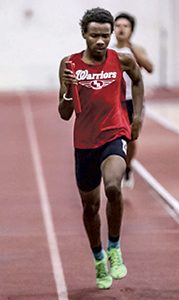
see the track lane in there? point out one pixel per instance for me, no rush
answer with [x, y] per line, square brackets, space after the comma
[150, 237]
[25, 268]
[157, 151]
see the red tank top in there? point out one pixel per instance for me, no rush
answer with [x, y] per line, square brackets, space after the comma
[100, 88]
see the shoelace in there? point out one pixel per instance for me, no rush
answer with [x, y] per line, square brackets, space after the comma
[101, 270]
[115, 258]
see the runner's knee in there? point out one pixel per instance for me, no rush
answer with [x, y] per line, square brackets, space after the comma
[113, 192]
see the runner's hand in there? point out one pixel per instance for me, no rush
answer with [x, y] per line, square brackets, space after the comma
[135, 127]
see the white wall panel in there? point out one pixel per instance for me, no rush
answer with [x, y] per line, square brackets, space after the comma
[36, 34]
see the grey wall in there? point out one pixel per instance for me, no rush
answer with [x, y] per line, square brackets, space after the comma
[36, 34]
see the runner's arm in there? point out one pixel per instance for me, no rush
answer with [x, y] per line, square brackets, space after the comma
[65, 107]
[129, 65]
[142, 58]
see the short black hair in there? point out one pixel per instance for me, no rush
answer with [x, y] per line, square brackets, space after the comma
[127, 16]
[98, 15]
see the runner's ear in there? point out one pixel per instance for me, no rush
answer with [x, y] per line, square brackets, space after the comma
[83, 34]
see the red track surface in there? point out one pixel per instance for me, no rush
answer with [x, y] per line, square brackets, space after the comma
[150, 237]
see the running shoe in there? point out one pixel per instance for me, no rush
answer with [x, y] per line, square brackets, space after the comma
[103, 278]
[118, 269]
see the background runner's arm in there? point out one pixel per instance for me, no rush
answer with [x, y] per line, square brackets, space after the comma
[142, 58]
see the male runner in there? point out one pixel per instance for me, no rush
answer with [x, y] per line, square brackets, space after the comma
[101, 133]
[124, 25]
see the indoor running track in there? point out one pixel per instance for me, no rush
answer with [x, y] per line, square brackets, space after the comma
[44, 252]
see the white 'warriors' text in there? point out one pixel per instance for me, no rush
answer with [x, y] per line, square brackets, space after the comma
[84, 75]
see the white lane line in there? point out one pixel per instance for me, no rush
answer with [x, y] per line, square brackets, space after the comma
[171, 201]
[161, 120]
[44, 201]
[172, 213]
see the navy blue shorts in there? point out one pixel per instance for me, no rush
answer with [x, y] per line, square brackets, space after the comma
[88, 163]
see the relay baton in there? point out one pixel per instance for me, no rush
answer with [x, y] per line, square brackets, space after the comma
[77, 105]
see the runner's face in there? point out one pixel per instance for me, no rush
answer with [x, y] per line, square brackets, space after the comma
[122, 29]
[97, 39]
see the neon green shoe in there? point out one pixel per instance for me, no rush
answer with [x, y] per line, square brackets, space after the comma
[118, 269]
[103, 278]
